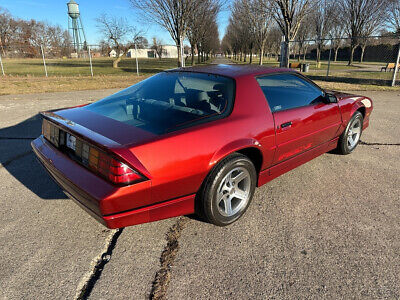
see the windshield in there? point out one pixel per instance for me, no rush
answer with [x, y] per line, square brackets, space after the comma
[169, 101]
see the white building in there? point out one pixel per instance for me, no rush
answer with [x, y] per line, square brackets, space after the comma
[169, 51]
[141, 53]
[113, 53]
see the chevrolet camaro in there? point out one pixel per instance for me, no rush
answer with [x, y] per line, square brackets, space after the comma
[194, 140]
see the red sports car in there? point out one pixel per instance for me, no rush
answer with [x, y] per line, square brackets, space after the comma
[194, 140]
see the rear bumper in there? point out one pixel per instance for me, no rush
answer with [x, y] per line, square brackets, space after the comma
[106, 203]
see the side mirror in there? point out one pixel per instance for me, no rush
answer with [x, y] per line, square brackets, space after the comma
[330, 98]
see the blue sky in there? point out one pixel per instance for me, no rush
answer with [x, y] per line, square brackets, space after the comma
[55, 12]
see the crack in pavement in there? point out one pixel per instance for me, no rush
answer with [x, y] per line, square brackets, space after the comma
[163, 275]
[88, 282]
[9, 161]
[378, 144]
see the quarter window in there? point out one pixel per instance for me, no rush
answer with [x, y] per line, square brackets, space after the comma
[286, 91]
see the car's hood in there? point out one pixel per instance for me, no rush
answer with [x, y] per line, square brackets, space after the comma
[100, 129]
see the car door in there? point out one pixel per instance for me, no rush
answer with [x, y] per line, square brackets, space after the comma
[303, 119]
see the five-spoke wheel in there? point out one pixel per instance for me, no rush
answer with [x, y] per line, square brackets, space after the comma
[234, 192]
[228, 190]
[350, 138]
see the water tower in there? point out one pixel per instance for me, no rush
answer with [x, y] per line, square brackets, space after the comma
[75, 26]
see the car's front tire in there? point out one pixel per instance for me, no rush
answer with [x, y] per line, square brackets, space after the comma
[350, 138]
[228, 190]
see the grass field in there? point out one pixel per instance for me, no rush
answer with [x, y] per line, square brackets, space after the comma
[365, 76]
[24, 76]
[27, 75]
[339, 65]
[74, 67]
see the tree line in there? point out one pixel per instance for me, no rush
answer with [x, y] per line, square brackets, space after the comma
[194, 20]
[185, 20]
[260, 26]
[24, 38]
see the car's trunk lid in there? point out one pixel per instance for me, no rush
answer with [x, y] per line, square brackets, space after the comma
[99, 129]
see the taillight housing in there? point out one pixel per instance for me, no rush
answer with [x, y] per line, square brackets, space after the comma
[104, 164]
[110, 168]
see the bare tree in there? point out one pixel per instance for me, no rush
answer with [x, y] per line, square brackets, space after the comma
[198, 23]
[337, 31]
[141, 42]
[173, 15]
[321, 24]
[117, 31]
[289, 14]
[303, 35]
[359, 17]
[6, 28]
[242, 30]
[231, 40]
[273, 43]
[394, 15]
[259, 15]
[210, 43]
[158, 47]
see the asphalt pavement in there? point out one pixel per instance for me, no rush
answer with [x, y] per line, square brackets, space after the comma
[328, 229]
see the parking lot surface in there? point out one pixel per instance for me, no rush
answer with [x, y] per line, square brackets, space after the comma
[329, 228]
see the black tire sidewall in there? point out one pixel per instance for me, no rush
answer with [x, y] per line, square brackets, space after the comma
[210, 194]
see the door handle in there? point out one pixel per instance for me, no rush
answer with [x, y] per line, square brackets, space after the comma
[285, 125]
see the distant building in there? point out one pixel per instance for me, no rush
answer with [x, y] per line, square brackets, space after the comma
[113, 53]
[169, 51]
[141, 53]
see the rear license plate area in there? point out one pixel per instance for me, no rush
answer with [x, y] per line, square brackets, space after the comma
[70, 141]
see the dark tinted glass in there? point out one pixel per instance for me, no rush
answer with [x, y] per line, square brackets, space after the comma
[169, 101]
[286, 91]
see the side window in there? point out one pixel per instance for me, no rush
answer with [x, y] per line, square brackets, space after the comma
[286, 91]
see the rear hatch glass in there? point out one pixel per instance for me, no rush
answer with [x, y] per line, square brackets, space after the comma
[169, 101]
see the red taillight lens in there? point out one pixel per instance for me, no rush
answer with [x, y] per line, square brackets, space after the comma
[91, 157]
[111, 168]
[120, 173]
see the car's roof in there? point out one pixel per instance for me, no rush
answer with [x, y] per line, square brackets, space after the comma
[233, 71]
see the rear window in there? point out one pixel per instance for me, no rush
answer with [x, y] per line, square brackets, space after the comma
[169, 101]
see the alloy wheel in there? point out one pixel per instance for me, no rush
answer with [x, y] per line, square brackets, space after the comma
[354, 133]
[234, 192]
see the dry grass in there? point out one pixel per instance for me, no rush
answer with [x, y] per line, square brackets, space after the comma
[27, 85]
[26, 76]
[339, 86]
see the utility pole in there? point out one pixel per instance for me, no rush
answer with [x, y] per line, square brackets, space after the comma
[2, 68]
[396, 67]
[44, 61]
[329, 61]
[90, 61]
[137, 63]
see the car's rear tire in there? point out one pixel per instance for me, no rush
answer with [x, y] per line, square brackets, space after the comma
[228, 190]
[350, 138]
